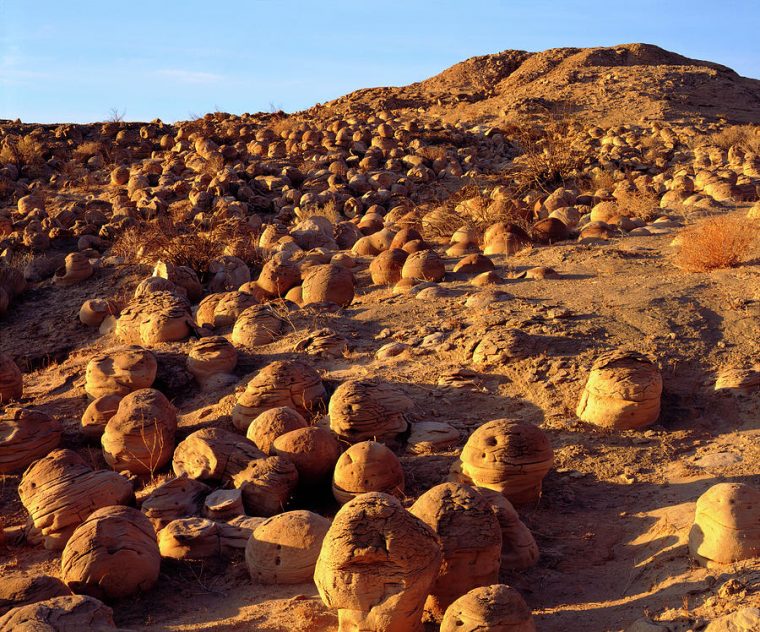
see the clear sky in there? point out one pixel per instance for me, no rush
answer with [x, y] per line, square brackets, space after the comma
[75, 60]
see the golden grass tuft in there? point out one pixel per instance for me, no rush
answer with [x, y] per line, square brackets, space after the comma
[22, 151]
[642, 204]
[745, 136]
[715, 243]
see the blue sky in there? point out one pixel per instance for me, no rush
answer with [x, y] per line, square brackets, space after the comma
[72, 60]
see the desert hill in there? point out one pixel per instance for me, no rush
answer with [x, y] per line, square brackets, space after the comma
[619, 84]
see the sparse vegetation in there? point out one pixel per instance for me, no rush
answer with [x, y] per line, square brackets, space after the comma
[746, 137]
[642, 204]
[715, 243]
[21, 151]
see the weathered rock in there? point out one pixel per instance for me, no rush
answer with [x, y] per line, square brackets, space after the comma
[373, 544]
[726, 525]
[120, 371]
[495, 608]
[59, 614]
[510, 457]
[284, 549]
[113, 554]
[367, 409]
[367, 467]
[470, 537]
[59, 491]
[11, 380]
[25, 436]
[139, 438]
[623, 392]
[180, 497]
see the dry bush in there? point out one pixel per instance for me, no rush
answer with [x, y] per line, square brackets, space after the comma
[280, 123]
[547, 159]
[21, 151]
[642, 204]
[745, 136]
[88, 149]
[329, 210]
[714, 243]
[151, 241]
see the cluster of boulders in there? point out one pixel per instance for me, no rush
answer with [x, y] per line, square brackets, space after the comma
[362, 208]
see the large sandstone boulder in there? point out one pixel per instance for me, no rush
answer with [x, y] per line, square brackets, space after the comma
[510, 457]
[470, 537]
[377, 565]
[284, 549]
[25, 435]
[139, 438]
[120, 371]
[11, 382]
[495, 608]
[367, 409]
[726, 525]
[113, 554]
[59, 491]
[60, 614]
[623, 392]
[291, 383]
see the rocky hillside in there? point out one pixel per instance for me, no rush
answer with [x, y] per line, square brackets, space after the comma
[616, 85]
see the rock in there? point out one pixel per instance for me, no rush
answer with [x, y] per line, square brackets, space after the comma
[60, 491]
[180, 497]
[139, 438]
[120, 371]
[199, 539]
[211, 357]
[113, 554]
[367, 409]
[76, 268]
[431, 436]
[470, 538]
[223, 504]
[474, 264]
[323, 342]
[726, 525]
[374, 543]
[284, 549]
[313, 450]
[386, 267]
[21, 590]
[497, 607]
[328, 283]
[742, 620]
[623, 392]
[518, 546]
[213, 454]
[510, 457]
[11, 380]
[424, 265]
[291, 383]
[94, 311]
[59, 614]
[367, 467]
[155, 318]
[257, 325]
[272, 423]
[25, 436]
[266, 484]
[500, 346]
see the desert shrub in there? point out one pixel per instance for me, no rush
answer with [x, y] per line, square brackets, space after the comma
[21, 151]
[88, 150]
[329, 210]
[745, 136]
[151, 241]
[642, 204]
[547, 157]
[714, 243]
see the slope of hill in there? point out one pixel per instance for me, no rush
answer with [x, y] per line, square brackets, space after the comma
[626, 83]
